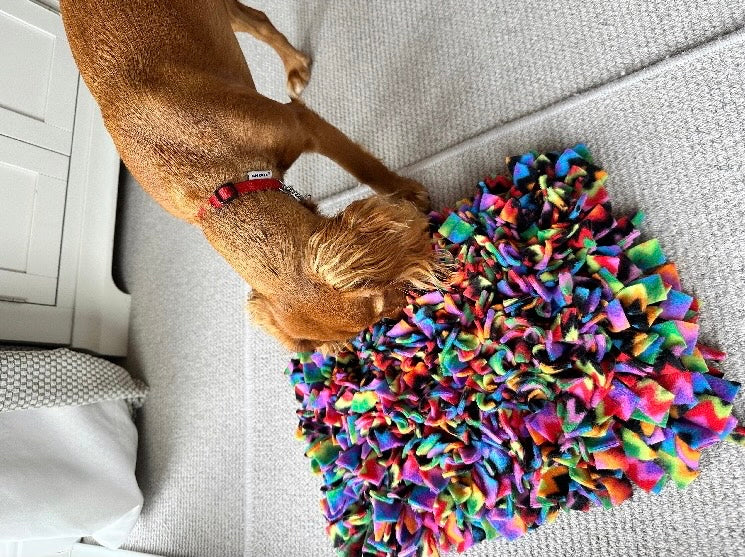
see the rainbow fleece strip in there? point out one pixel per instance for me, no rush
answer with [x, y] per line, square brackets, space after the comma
[560, 368]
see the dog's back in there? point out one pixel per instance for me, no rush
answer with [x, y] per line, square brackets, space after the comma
[120, 46]
[168, 77]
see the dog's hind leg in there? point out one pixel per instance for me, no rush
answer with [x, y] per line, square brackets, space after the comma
[255, 22]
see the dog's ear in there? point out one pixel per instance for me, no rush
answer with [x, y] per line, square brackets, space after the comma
[261, 312]
[374, 245]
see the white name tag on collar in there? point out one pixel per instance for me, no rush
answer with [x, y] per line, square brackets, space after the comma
[259, 174]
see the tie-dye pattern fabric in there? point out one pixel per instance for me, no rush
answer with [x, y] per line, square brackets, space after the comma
[561, 368]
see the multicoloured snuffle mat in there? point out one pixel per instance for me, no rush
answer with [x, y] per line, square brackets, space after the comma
[560, 369]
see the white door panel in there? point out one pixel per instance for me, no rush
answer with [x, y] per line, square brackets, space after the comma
[37, 93]
[32, 205]
[59, 173]
[17, 200]
[21, 287]
[48, 163]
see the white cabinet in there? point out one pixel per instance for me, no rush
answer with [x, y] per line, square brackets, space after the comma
[58, 185]
[39, 79]
[33, 185]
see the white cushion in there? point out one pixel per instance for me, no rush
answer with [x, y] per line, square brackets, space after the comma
[69, 472]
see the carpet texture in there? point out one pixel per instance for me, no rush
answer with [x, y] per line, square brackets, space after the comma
[190, 460]
[410, 81]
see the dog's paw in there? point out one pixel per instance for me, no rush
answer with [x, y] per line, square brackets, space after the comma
[298, 74]
[413, 191]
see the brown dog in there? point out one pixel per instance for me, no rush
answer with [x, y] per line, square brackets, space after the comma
[180, 103]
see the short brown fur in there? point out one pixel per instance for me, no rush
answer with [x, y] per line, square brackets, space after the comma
[179, 101]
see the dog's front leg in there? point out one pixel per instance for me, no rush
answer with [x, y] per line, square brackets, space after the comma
[297, 64]
[330, 142]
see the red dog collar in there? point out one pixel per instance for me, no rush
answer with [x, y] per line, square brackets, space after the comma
[230, 191]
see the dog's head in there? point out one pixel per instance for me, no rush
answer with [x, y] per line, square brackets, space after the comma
[353, 270]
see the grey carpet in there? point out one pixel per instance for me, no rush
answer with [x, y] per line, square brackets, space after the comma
[408, 79]
[411, 80]
[186, 343]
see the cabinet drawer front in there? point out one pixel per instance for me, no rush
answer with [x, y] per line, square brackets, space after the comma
[20, 287]
[38, 89]
[32, 205]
